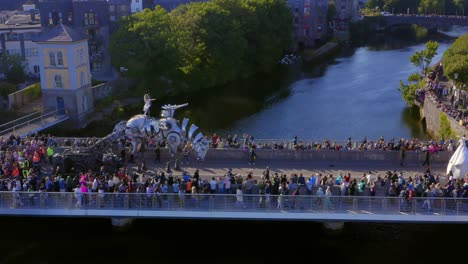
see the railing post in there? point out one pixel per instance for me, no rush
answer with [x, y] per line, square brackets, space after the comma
[355, 202]
[70, 200]
[126, 202]
[413, 206]
[443, 205]
[42, 200]
[211, 203]
[14, 200]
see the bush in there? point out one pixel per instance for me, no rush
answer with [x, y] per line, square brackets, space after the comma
[34, 90]
[6, 88]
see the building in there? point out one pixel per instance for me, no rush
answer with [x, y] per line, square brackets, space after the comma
[169, 5]
[88, 16]
[118, 9]
[65, 73]
[310, 21]
[136, 6]
[16, 34]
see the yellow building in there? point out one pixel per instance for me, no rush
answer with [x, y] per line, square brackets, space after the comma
[65, 73]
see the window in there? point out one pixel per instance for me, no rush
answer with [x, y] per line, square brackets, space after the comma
[31, 52]
[59, 58]
[36, 69]
[80, 56]
[85, 103]
[82, 79]
[50, 19]
[123, 8]
[52, 59]
[96, 66]
[111, 8]
[58, 81]
[137, 1]
[112, 18]
[70, 17]
[90, 18]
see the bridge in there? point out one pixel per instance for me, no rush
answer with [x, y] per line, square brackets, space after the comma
[427, 21]
[236, 206]
[34, 122]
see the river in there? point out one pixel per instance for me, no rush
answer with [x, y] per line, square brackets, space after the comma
[354, 94]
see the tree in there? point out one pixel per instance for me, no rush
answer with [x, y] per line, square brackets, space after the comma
[408, 91]
[422, 59]
[428, 6]
[14, 68]
[202, 44]
[445, 129]
[455, 60]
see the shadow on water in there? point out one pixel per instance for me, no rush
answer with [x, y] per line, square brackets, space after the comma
[56, 240]
[412, 119]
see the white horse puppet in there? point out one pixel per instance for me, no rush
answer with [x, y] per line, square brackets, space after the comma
[140, 128]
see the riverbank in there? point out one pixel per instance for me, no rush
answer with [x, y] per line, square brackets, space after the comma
[311, 55]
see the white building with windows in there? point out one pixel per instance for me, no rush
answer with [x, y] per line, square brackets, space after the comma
[65, 73]
[16, 36]
[136, 6]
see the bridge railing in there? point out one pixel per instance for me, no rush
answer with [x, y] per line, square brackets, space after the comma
[286, 143]
[234, 203]
[30, 119]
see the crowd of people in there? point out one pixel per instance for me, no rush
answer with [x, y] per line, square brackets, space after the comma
[23, 161]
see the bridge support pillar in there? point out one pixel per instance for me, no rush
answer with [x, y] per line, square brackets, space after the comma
[121, 222]
[334, 226]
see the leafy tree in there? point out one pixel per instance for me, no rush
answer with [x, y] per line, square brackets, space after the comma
[408, 91]
[14, 68]
[455, 60]
[331, 12]
[202, 44]
[6, 89]
[445, 129]
[422, 59]
[428, 6]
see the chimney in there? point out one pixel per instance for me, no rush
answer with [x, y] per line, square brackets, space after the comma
[33, 15]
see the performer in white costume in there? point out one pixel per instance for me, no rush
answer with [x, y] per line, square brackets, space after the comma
[147, 99]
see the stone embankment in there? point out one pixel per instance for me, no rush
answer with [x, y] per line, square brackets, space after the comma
[431, 114]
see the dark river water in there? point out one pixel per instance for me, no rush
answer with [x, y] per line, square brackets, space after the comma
[66, 241]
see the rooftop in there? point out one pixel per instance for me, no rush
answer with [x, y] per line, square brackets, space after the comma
[61, 33]
[21, 21]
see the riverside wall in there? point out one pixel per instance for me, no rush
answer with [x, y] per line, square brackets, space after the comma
[431, 114]
[315, 155]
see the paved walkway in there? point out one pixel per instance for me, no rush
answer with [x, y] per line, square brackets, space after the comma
[307, 168]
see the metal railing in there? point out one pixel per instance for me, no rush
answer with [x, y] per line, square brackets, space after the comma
[367, 205]
[52, 113]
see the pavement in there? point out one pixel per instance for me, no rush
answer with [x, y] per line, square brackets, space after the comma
[208, 169]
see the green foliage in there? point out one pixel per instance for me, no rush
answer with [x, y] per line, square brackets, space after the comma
[6, 88]
[34, 90]
[445, 130]
[408, 91]
[368, 12]
[422, 59]
[455, 60]
[331, 12]
[202, 44]
[447, 7]
[14, 68]
[428, 6]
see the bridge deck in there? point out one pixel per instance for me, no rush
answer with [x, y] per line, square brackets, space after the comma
[24, 126]
[219, 206]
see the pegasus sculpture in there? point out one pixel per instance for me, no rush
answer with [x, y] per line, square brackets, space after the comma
[140, 128]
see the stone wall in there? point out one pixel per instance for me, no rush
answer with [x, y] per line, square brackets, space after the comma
[102, 91]
[22, 97]
[432, 116]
